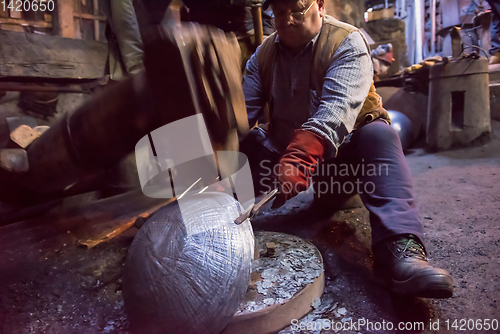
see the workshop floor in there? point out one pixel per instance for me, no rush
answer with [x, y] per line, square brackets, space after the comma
[48, 284]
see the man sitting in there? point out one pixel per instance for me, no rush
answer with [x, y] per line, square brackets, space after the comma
[315, 76]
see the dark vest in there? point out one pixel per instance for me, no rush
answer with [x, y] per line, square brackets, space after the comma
[333, 32]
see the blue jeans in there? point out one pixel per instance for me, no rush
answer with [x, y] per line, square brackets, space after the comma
[371, 162]
[495, 26]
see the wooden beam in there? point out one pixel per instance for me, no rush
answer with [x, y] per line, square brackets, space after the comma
[21, 22]
[4, 12]
[44, 56]
[65, 18]
[23, 87]
[16, 14]
[89, 16]
[96, 22]
[96, 30]
[102, 220]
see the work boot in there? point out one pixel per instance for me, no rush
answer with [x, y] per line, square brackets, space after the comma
[402, 263]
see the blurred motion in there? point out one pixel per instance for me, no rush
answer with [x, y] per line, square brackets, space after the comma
[189, 69]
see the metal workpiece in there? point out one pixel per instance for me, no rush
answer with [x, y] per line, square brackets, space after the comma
[188, 267]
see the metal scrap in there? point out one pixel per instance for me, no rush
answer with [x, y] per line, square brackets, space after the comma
[24, 135]
[294, 265]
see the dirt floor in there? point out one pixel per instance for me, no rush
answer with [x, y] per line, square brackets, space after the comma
[49, 284]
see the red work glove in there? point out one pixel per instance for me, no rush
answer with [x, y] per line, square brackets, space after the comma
[297, 165]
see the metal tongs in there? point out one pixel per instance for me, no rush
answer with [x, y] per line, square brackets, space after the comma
[252, 211]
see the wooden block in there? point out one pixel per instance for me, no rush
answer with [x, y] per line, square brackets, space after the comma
[271, 248]
[24, 135]
[14, 160]
[41, 128]
[12, 27]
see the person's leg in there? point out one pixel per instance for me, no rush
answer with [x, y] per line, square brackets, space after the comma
[387, 185]
[126, 28]
[334, 187]
[495, 31]
[374, 152]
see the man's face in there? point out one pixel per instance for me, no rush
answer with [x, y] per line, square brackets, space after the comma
[295, 37]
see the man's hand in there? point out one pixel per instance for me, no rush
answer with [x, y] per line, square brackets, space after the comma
[298, 164]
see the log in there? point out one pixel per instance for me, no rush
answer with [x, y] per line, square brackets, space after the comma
[43, 56]
[105, 219]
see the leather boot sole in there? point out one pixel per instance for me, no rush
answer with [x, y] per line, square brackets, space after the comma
[435, 286]
[438, 286]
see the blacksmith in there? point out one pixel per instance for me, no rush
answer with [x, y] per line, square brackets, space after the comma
[312, 81]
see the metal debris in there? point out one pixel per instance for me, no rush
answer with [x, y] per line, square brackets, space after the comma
[270, 274]
[316, 303]
[326, 306]
[341, 312]
[294, 264]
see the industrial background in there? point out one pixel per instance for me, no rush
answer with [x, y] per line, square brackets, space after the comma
[66, 229]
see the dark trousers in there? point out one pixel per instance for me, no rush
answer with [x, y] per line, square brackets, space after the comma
[495, 26]
[370, 162]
